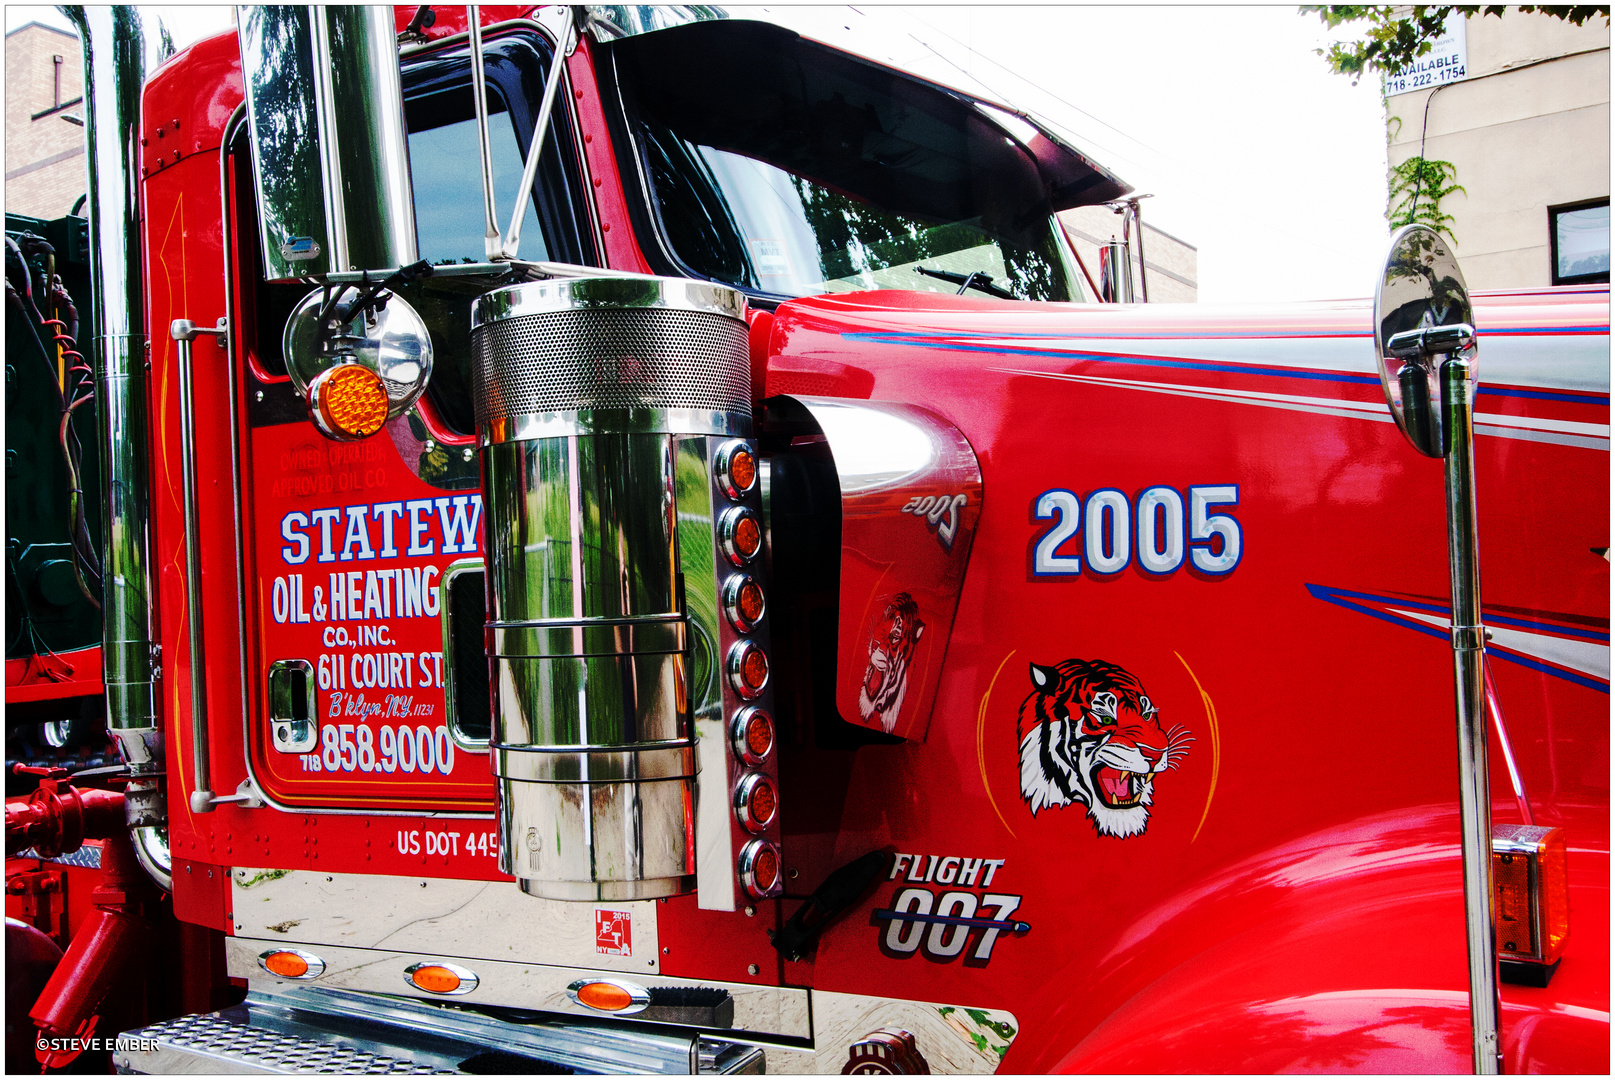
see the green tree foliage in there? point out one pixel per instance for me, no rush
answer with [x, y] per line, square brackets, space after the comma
[1417, 187]
[1395, 37]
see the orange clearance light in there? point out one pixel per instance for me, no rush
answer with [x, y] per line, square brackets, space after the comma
[741, 535]
[621, 998]
[1531, 908]
[756, 802]
[348, 401]
[748, 669]
[737, 468]
[759, 868]
[743, 602]
[440, 978]
[291, 963]
[752, 735]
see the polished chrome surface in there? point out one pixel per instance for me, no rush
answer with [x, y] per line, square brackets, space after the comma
[1421, 310]
[185, 334]
[316, 966]
[392, 342]
[151, 851]
[1115, 273]
[610, 22]
[117, 54]
[289, 732]
[1424, 335]
[330, 149]
[467, 977]
[638, 996]
[479, 99]
[510, 248]
[610, 293]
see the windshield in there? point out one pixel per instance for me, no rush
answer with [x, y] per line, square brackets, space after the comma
[749, 223]
[789, 168]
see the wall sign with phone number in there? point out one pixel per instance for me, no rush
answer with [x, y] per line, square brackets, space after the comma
[1105, 531]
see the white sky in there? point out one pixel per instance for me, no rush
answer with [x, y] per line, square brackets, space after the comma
[1271, 166]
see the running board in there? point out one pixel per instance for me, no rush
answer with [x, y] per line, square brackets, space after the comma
[303, 1030]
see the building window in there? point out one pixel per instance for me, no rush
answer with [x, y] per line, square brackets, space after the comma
[1579, 237]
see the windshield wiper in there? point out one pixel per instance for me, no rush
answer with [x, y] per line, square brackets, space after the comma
[978, 279]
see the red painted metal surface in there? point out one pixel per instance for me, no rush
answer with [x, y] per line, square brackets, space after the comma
[50, 678]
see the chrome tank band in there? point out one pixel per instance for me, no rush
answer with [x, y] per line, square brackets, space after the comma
[580, 387]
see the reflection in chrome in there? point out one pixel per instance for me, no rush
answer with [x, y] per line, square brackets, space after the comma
[393, 342]
[873, 449]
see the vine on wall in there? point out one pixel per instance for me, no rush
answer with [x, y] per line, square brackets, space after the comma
[1416, 189]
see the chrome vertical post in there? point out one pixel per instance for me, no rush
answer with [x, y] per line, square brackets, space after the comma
[116, 58]
[563, 49]
[491, 244]
[1468, 645]
[185, 334]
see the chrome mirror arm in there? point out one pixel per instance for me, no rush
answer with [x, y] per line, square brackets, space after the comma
[479, 96]
[564, 46]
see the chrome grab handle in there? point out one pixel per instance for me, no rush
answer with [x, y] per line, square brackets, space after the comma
[183, 331]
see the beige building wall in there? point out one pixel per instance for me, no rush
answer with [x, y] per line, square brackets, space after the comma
[1528, 129]
[44, 152]
[1172, 265]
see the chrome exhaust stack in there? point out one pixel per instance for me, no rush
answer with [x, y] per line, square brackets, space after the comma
[584, 388]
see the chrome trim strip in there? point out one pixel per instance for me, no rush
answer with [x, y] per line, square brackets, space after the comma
[644, 421]
[545, 297]
[594, 766]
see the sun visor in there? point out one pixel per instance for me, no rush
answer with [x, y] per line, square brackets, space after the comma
[910, 499]
[853, 125]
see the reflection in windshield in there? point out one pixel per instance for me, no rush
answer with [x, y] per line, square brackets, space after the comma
[763, 227]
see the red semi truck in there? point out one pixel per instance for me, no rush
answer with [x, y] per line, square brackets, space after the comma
[759, 612]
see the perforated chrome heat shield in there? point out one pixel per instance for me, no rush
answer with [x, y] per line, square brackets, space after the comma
[582, 387]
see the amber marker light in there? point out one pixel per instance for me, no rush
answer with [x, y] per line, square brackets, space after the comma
[348, 401]
[756, 803]
[740, 534]
[440, 978]
[291, 964]
[759, 868]
[752, 735]
[602, 995]
[736, 467]
[743, 602]
[1530, 906]
[748, 669]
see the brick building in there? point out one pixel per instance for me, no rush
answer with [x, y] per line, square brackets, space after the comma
[44, 121]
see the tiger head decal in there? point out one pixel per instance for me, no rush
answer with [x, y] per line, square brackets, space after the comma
[886, 677]
[1090, 734]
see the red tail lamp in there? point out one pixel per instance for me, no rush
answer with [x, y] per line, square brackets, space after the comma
[610, 996]
[748, 669]
[436, 977]
[759, 868]
[743, 602]
[756, 802]
[291, 964]
[740, 534]
[736, 468]
[752, 735]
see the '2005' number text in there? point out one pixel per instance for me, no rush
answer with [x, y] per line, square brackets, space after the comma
[1154, 527]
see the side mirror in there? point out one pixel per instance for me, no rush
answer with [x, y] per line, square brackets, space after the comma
[330, 151]
[1421, 311]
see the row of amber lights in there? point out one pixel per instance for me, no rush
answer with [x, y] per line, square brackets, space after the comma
[438, 977]
[740, 535]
